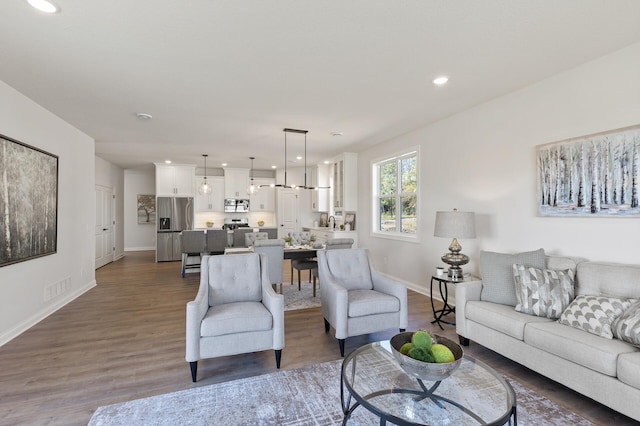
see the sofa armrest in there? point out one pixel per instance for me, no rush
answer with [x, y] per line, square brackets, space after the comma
[465, 291]
[196, 310]
[386, 285]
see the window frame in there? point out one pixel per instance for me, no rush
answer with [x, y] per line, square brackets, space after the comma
[376, 196]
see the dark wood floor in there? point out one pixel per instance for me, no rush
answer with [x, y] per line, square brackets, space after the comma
[124, 340]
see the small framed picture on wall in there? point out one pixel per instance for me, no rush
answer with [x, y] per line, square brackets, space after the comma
[350, 221]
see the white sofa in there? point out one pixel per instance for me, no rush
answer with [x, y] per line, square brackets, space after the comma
[606, 370]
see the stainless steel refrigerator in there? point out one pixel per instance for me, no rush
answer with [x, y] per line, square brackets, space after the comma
[175, 214]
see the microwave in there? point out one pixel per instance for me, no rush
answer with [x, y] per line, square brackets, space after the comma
[236, 205]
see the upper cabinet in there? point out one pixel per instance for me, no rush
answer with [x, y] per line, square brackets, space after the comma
[345, 183]
[320, 196]
[236, 183]
[176, 180]
[264, 200]
[214, 201]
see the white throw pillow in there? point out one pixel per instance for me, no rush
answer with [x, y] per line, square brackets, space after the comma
[543, 292]
[627, 326]
[594, 314]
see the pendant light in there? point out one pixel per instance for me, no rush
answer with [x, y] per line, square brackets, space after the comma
[253, 189]
[205, 188]
[288, 130]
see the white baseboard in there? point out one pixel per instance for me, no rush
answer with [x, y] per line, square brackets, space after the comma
[139, 248]
[49, 309]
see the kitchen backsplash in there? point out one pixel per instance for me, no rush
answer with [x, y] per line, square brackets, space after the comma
[217, 218]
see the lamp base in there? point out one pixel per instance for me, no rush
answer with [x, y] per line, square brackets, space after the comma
[455, 273]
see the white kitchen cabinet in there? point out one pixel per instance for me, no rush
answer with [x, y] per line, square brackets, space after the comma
[265, 199]
[320, 180]
[175, 180]
[345, 183]
[236, 183]
[213, 202]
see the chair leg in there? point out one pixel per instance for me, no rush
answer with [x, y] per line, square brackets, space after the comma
[314, 286]
[326, 325]
[402, 330]
[463, 341]
[291, 274]
[341, 343]
[278, 357]
[194, 370]
[299, 280]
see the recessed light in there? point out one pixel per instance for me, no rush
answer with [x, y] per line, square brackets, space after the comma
[299, 157]
[143, 116]
[337, 133]
[44, 6]
[274, 167]
[167, 161]
[327, 162]
[440, 80]
[224, 164]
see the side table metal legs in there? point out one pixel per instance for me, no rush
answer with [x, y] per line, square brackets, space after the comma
[446, 309]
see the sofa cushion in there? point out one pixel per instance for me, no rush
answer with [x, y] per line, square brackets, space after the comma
[502, 318]
[627, 326]
[236, 317]
[594, 314]
[572, 344]
[542, 292]
[629, 369]
[369, 302]
[497, 274]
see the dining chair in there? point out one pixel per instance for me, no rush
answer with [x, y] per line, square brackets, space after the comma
[302, 238]
[274, 250]
[238, 236]
[193, 245]
[251, 237]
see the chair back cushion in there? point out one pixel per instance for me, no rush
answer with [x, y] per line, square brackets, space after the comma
[192, 241]
[350, 268]
[339, 243]
[234, 278]
[300, 238]
[251, 237]
[216, 240]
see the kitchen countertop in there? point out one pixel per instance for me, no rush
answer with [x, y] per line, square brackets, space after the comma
[324, 229]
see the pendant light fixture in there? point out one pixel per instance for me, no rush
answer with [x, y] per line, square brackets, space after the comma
[205, 188]
[253, 189]
[288, 130]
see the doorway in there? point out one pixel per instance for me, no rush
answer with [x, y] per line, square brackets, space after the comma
[104, 226]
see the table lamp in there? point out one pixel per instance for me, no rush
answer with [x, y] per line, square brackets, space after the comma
[455, 225]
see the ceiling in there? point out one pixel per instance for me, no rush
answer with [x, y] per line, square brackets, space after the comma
[224, 78]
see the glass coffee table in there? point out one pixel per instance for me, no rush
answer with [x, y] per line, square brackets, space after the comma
[475, 394]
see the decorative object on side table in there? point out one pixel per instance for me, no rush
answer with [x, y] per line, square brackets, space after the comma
[455, 225]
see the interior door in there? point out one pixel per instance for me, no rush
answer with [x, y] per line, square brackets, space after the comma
[287, 212]
[104, 225]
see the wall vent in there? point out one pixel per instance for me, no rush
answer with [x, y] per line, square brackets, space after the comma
[56, 289]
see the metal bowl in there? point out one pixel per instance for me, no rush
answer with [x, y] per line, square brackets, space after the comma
[426, 370]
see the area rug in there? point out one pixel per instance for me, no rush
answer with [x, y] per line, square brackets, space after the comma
[305, 396]
[303, 299]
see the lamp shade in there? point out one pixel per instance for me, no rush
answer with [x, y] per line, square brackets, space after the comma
[455, 224]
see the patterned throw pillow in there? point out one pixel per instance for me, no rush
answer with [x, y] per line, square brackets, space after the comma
[627, 326]
[594, 314]
[542, 292]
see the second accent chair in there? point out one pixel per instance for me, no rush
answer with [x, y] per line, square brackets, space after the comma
[356, 299]
[235, 311]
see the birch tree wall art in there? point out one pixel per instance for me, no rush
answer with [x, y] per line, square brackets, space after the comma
[28, 202]
[595, 175]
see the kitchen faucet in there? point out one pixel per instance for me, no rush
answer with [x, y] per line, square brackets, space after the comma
[334, 221]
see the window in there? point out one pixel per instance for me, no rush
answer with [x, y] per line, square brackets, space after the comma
[395, 184]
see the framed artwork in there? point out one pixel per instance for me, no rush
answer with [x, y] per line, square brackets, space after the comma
[594, 176]
[28, 202]
[146, 209]
[350, 218]
[324, 219]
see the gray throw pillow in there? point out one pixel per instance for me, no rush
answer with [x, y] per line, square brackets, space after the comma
[627, 326]
[594, 314]
[496, 270]
[543, 292]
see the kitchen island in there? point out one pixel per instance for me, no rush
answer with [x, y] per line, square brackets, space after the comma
[324, 233]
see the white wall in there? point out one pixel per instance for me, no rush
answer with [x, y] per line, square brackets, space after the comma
[138, 237]
[112, 176]
[483, 160]
[22, 284]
